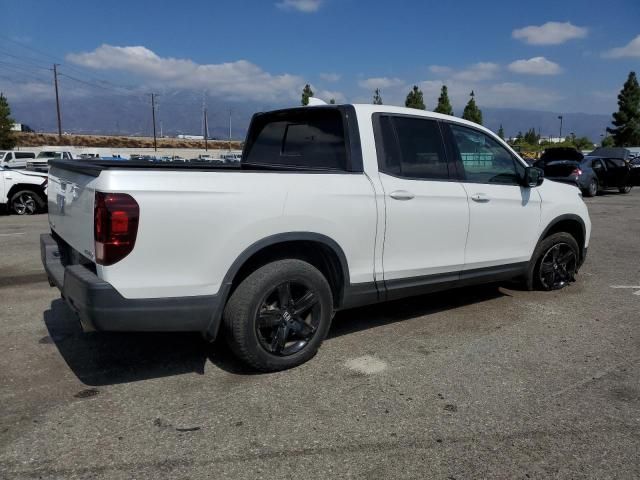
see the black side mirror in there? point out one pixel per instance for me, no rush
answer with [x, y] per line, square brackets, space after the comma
[533, 177]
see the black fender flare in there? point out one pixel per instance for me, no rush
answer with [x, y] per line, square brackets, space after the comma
[227, 282]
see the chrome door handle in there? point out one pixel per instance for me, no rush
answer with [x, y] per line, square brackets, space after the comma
[480, 197]
[401, 195]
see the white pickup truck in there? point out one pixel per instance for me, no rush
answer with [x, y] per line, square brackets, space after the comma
[331, 207]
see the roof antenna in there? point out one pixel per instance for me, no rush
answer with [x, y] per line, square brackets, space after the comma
[313, 101]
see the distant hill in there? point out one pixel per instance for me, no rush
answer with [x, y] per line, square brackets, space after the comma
[181, 112]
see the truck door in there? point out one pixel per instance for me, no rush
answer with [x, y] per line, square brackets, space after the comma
[504, 215]
[427, 214]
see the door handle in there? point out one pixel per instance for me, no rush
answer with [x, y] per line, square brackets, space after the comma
[401, 195]
[480, 197]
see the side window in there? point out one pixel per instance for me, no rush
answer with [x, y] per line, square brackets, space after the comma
[597, 165]
[484, 160]
[413, 148]
[614, 163]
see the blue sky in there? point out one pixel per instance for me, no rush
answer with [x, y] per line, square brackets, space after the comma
[568, 56]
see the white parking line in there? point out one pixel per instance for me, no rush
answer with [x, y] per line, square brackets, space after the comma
[637, 287]
[11, 234]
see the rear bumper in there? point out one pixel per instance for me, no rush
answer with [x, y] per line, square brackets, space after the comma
[100, 307]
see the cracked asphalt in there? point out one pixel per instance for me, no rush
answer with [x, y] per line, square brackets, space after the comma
[483, 382]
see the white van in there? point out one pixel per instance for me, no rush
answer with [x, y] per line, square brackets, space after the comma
[15, 159]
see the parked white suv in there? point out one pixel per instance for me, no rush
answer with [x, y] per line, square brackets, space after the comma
[23, 192]
[332, 207]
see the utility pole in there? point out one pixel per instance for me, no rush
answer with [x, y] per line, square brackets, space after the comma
[55, 83]
[153, 117]
[229, 130]
[560, 136]
[206, 131]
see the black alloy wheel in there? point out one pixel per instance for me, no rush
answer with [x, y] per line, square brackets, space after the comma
[288, 318]
[558, 266]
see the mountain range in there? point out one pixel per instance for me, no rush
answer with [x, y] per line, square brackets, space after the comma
[182, 113]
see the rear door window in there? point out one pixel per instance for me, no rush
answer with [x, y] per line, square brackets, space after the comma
[310, 138]
[411, 147]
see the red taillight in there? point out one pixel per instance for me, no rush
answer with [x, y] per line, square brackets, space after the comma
[115, 226]
[576, 171]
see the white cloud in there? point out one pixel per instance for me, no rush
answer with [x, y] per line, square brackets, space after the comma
[551, 33]
[631, 49]
[330, 77]
[478, 71]
[380, 82]
[238, 80]
[305, 6]
[440, 69]
[535, 66]
[327, 95]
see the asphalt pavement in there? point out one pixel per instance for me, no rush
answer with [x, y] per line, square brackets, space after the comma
[483, 382]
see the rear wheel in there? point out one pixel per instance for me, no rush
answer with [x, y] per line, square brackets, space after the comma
[554, 263]
[26, 202]
[592, 189]
[626, 189]
[279, 315]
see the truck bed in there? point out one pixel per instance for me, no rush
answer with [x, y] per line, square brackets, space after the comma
[94, 167]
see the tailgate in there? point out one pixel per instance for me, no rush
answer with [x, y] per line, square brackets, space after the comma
[70, 200]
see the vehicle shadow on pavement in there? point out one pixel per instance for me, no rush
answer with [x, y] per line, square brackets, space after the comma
[371, 316]
[101, 358]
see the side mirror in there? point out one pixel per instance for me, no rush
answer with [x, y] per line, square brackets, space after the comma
[533, 177]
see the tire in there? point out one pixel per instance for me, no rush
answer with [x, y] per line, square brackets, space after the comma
[26, 202]
[542, 260]
[258, 317]
[592, 189]
[626, 189]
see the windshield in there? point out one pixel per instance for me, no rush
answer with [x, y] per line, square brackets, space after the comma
[49, 155]
[2, 155]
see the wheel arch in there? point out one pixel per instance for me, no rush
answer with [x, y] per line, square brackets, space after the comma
[27, 186]
[571, 224]
[319, 250]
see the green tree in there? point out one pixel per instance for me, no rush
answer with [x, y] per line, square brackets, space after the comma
[608, 141]
[7, 139]
[627, 119]
[377, 98]
[501, 132]
[306, 93]
[583, 143]
[332, 101]
[518, 138]
[471, 111]
[444, 105]
[531, 137]
[415, 99]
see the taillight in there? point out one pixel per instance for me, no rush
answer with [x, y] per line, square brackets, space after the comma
[577, 172]
[115, 226]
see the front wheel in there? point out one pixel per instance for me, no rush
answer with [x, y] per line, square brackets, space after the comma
[279, 315]
[554, 263]
[625, 189]
[26, 202]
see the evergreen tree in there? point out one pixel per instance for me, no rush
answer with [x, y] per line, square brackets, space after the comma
[518, 137]
[444, 105]
[332, 101]
[7, 140]
[377, 98]
[415, 99]
[306, 93]
[471, 111]
[627, 119]
[531, 137]
[501, 132]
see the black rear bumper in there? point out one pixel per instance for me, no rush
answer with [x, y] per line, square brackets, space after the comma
[100, 306]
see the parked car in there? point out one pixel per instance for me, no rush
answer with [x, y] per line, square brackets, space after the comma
[231, 157]
[592, 174]
[23, 192]
[13, 159]
[41, 162]
[332, 207]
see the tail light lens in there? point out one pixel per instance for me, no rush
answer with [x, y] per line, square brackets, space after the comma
[577, 172]
[115, 226]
